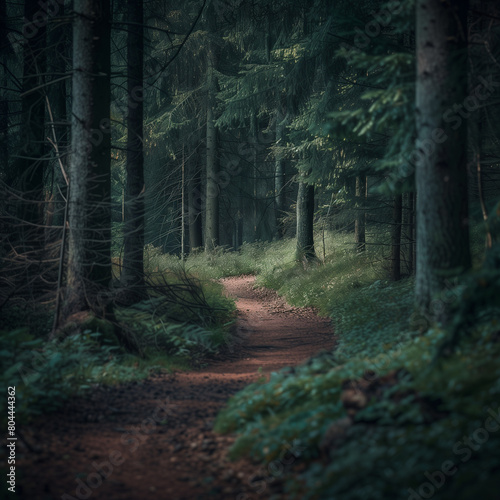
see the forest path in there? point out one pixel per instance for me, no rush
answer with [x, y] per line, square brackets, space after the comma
[180, 458]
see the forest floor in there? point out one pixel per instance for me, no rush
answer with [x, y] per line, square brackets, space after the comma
[153, 439]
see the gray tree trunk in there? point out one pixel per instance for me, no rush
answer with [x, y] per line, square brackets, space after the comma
[212, 184]
[30, 166]
[133, 238]
[89, 245]
[279, 183]
[305, 222]
[57, 41]
[194, 202]
[441, 177]
[5, 55]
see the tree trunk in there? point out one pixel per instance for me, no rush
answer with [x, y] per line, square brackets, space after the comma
[184, 242]
[360, 223]
[30, 164]
[57, 37]
[305, 221]
[212, 197]
[195, 203]
[256, 205]
[133, 238]
[441, 176]
[5, 54]
[212, 184]
[279, 186]
[397, 213]
[89, 262]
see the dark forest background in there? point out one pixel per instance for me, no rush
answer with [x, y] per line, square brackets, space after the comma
[345, 152]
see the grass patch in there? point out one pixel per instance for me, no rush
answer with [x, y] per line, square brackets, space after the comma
[377, 417]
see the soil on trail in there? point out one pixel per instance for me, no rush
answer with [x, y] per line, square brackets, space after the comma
[180, 458]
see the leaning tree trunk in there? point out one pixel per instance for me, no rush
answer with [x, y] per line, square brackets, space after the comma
[305, 221]
[441, 148]
[133, 255]
[89, 246]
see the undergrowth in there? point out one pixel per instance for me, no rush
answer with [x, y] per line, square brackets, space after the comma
[378, 417]
[169, 332]
[382, 416]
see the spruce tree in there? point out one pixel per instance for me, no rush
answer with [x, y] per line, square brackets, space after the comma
[441, 148]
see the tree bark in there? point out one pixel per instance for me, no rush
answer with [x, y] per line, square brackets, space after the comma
[30, 164]
[441, 176]
[279, 186]
[5, 54]
[212, 185]
[133, 238]
[89, 246]
[305, 221]
[256, 204]
[212, 197]
[57, 41]
[195, 203]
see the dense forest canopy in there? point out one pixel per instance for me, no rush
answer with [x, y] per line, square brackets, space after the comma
[337, 149]
[233, 122]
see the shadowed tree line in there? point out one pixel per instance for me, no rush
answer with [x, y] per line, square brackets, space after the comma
[217, 123]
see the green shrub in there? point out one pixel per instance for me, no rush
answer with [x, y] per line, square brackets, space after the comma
[46, 373]
[184, 320]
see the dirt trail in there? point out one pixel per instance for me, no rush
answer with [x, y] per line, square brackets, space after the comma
[180, 458]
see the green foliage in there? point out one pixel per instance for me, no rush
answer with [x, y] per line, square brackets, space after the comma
[419, 418]
[153, 331]
[170, 330]
[223, 262]
[251, 258]
[36, 318]
[374, 118]
[46, 373]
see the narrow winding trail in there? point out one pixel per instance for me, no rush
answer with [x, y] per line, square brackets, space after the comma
[153, 440]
